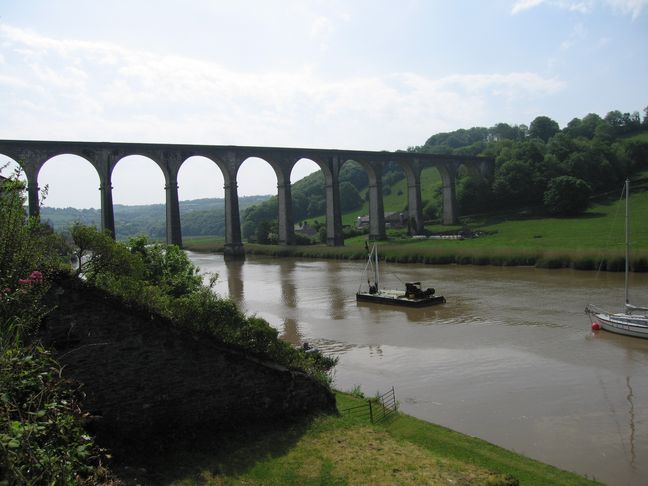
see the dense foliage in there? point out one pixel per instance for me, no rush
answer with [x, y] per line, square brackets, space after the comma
[42, 440]
[598, 152]
[41, 436]
[162, 278]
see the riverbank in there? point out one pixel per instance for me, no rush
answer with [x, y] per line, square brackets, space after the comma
[426, 252]
[344, 450]
[592, 241]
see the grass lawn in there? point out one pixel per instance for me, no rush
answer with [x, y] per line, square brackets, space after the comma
[329, 450]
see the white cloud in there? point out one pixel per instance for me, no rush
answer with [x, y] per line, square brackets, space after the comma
[629, 7]
[522, 5]
[71, 90]
[633, 8]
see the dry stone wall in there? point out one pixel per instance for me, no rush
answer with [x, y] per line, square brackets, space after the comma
[143, 375]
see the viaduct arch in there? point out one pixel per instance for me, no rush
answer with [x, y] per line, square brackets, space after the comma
[32, 155]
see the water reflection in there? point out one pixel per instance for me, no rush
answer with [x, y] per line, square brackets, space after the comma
[235, 278]
[427, 315]
[288, 289]
[631, 416]
[336, 293]
[291, 332]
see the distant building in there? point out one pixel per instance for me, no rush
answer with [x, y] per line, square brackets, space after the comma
[392, 220]
[305, 229]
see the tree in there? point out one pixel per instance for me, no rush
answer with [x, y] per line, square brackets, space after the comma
[504, 131]
[513, 182]
[567, 196]
[166, 267]
[350, 198]
[543, 128]
[263, 232]
[584, 128]
[97, 253]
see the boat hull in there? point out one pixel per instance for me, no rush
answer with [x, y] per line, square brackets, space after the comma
[392, 298]
[626, 324]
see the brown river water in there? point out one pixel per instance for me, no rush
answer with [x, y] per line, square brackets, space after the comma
[509, 358]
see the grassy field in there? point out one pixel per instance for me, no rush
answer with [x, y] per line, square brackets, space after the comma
[524, 238]
[342, 450]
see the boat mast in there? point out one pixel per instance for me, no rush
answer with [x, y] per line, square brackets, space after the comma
[627, 239]
[376, 274]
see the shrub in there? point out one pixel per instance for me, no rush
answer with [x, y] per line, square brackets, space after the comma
[301, 239]
[41, 437]
[28, 253]
[566, 195]
[97, 253]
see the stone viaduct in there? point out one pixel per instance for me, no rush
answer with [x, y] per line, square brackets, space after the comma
[104, 156]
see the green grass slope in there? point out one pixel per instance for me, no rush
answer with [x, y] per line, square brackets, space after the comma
[343, 450]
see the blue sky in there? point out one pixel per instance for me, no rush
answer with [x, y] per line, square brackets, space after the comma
[375, 75]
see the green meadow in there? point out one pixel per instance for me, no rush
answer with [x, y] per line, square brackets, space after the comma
[591, 241]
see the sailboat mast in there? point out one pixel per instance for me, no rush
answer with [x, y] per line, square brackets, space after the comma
[627, 239]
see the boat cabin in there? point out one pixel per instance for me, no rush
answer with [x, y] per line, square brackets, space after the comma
[413, 290]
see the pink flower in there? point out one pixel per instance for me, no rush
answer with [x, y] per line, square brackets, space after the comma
[35, 277]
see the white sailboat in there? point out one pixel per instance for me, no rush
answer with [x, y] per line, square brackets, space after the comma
[634, 320]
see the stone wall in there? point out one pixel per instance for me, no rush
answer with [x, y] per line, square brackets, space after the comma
[142, 375]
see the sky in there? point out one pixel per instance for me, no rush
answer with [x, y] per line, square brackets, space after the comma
[355, 74]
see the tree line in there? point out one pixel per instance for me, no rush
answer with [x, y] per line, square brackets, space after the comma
[542, 165]
[554, 170]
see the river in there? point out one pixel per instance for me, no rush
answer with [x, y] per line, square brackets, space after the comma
[509, 358]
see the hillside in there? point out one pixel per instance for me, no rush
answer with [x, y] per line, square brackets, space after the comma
[551, 171]
[198, 217]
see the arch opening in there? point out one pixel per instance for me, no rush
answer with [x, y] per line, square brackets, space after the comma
[431, 195]
[258, 202]
[201, 194]
[72, 195]
[139, 198]
[308, 202]
[354, 192]
[473, 191]
[395, 199]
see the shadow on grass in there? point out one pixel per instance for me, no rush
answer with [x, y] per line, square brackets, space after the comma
[184, 459]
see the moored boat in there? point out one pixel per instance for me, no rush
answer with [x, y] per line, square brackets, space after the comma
[412, 296]
[621, 323]
[634, 320]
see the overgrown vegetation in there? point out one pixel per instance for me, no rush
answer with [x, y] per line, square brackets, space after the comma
[42, 440]
[161, 277]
